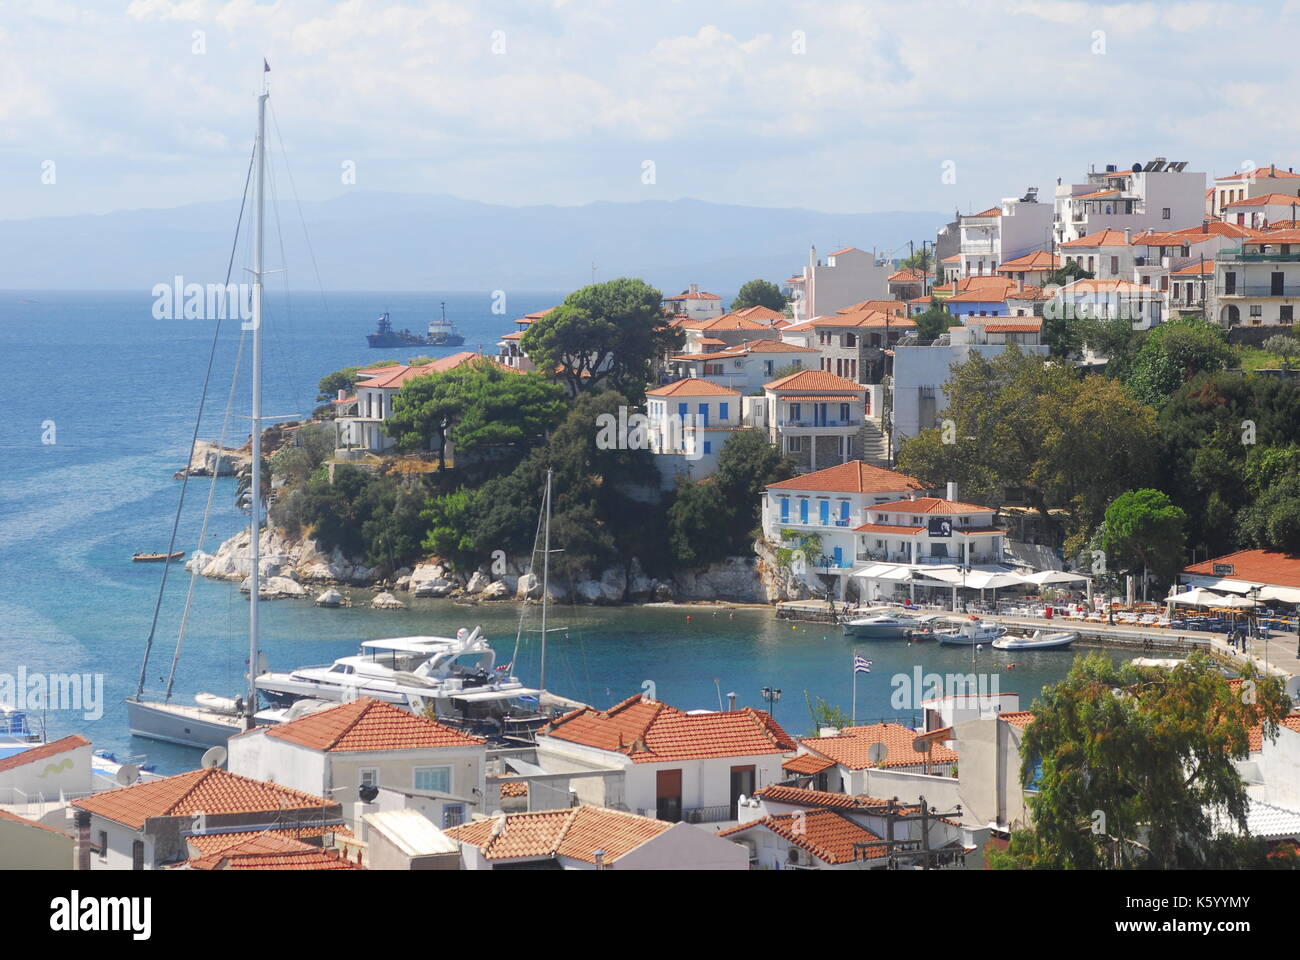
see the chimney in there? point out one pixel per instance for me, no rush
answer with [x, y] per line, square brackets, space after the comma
[600, 859]
[694, 288]
[731, 700]
[342, 396]
[952, 491]
[1128, 235]
[82, 820]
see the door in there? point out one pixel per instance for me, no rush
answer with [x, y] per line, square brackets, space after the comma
[668, 795]
[1275, 285]
[825, 512]
[839, 556]
[743, 782]
[803, 511]
[703, 415]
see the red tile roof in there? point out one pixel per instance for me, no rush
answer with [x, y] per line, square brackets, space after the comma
[799, 796]
[758, 311]
[836, 253]
[211, 790]
[687, 295]
[894, 307]
[1196, 269]
[827, 834]
[852, 477]
[692, 387]
[1273, 237]
[806, 763]
[1256, 566]
[1267, 200]
[1038, 260]
[272, 851]
[576, 833]
[990, 212]
[367, 724]
[44, 751]
[930, 505]
[393, 378]
[210, 843]
[889, 529]
[852, 747]
[1271, 171]
[1027, 326]
[652, 732]
[1102, 238]
[1018, 718]
[814, 380]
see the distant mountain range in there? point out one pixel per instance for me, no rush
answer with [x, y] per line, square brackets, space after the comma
[407, 242]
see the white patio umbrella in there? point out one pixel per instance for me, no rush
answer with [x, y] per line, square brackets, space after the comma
[1284, 594]
[1198, 597]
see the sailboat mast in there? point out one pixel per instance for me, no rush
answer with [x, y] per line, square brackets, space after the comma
[546, 569]
[255, 489]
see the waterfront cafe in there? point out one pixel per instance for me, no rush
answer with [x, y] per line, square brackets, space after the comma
[1262, 582]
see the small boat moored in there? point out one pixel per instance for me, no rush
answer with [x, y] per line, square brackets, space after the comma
[157, 557]
[1038, 640]
[971, 632]
[880, 624]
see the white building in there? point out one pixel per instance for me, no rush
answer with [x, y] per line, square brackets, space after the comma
[690, 421]
[816, 418]
[745, 368]
[509, 352]
[367, 743]
[1106, 254]
[1258, 284]
[46, 772]
[694, 304]
[1013, 229]
[847, 277]
[1157, 196]
[1108, 300]
[675, 765]
[1262, 211]
[1254, 182]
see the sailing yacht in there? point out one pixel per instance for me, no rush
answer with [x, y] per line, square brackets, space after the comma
[210, 720]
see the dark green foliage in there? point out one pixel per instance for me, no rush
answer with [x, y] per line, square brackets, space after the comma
[759, 293]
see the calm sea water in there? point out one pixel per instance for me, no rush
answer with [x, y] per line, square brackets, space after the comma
[117, 391]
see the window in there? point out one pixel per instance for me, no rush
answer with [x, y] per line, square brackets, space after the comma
[137, 855]
[369, 777]
[844, 412]
[1114, 265]
[103, 846]
[1229, 282]
[708, 446]
[453, 815]
[723, 410]
[435, 779]
[850, 340]
[794, 444]
[1164, 213]
[1285, 314]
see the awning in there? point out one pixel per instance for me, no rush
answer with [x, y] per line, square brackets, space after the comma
[1198, 597]
[1284, 594]
[1055, 576]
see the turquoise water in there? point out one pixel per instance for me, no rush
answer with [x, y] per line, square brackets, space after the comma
[121, 389]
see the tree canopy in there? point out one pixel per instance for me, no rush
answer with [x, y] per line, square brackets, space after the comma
[759, 293]
[1133, 767]
[604, 334]
[1145, 530]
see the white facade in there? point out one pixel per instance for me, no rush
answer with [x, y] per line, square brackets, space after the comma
[1012, 229]
[1167, 197]
[847, 277]
[1258, 284]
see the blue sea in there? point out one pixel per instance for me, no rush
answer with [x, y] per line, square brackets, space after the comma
[101, 399]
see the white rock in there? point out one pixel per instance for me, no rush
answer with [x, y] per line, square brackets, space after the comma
[529, 587]
[496, 591]
[403, 582]
[477, 582]
[386, 601]
[330, 598]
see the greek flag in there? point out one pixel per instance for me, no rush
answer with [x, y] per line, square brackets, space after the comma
[861, 665]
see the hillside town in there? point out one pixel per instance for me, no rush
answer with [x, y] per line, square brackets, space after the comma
[1069, 417]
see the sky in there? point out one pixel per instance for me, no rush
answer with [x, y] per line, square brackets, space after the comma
[842, 107]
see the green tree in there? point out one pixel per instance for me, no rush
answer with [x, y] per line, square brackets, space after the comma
[922, 260]
[1132, 765]
[934, 322]
[605, 333]
[1067, 273]
[1283, 346]
[759, 293]
[1145, 530]
[332, 383]
[1172, 354]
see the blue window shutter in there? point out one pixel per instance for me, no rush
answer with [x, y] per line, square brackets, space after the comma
[785, 508]
[844, 509]
[825, 511]
[704, 415]
[708, 446]
[803, 511]
[723, 410]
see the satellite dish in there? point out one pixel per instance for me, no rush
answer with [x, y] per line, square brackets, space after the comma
[877, 752]
[921, 745]
[213, 757]
[128, 774]
[368, 792]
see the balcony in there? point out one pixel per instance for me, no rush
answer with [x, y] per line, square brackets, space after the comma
[824, 423]
[1259, 290]
[1236, 256]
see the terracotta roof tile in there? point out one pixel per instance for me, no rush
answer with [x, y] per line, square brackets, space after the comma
[805, 763]
[575, 833]
[367, 724]
[852, 747]
[814, 380]
[43, 751]
[1038, 260]
[1256, 566]
[210, 843]
[1102, 238]
[211, 790]
[272, 851]
[14, 818]
[852, 477]
[922, 505]
[651, 732]
[1017, 718]
[692, 387]
[782, 793]
[827, 834]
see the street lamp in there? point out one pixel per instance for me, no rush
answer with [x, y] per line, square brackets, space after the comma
[771, 696]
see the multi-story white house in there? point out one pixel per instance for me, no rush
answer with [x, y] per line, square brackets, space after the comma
[830, 503]
[748, 366]
[728, 330]
[375, 390]
[1013, 229]
[1254, 182]
[1157, 195]
[675, 765]
[1106, 254]
[694, 304]
[690, 421]
[852, 344]
[930, 530]
[848, 276]
[816, 418]
[1259, 283]
[1260, 212]
[1031, 269]
[1109, 299]
[508, 350]
[368, 743]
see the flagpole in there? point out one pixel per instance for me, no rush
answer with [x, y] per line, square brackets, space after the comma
[854, 721]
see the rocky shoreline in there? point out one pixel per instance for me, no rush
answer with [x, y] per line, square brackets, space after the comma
[295, 568]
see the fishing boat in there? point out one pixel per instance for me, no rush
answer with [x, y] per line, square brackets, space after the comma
[158, 557]
[210, 720]
[1038, 640]
[881, 624]
[443, 333]
[971, 632]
